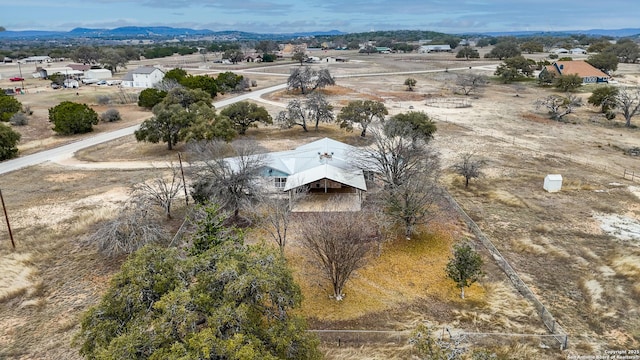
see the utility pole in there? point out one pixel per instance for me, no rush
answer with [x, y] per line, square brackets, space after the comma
[7, 218]
[184, 183]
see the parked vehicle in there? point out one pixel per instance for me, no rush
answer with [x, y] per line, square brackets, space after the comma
[16, 78]
[101, 82]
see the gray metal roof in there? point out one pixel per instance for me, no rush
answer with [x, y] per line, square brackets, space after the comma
[324, 158]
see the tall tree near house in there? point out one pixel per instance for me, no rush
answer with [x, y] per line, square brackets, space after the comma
[318, 109]
[465, 268]
[227, 175]
[628, 101]
[244, 115]
[363, 113]
[410, 83]
[274, 215]
[409, 170]
[605, 97]
[568, 82]
[468, 167]
[339, 243]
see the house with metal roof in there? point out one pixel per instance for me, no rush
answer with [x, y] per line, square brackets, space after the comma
[143, 77]
[586, 71]
[322, 167]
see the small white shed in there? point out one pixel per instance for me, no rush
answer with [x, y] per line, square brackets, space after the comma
[553, 182]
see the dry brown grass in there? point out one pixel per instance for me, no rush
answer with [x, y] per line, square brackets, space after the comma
[406, 271]
[17, 275]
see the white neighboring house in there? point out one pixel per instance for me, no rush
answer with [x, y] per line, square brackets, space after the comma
[424, 49]
[143, 77]
[578, 51]
[36, 60]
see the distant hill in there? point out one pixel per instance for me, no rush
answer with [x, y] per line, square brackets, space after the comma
[159, 32]
[166, 32]
[594, 32]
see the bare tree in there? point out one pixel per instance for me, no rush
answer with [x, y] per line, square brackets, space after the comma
[413, 202]
[628, 101]
[275, 216]
[559, 106]
[133, 227]
[409, 170]
[339, 242]
[161, 191]
[319, 109]
[294, 114]
[315, 108]
[468, 167]
[308, 79]
[470, 83]
[229, 174]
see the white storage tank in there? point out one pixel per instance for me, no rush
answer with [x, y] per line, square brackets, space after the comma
[553, 182]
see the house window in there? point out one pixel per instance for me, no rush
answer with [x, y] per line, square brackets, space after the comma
[279, 182]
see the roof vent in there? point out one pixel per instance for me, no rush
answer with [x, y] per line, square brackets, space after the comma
[561, 66]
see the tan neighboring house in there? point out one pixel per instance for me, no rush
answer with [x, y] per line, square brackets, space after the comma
[588, 73]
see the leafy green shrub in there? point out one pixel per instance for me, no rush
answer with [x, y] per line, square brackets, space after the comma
[110, 115]
[8, 142]
[72, 118]
[8, 106]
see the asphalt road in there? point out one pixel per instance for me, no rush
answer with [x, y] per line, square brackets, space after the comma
[68, 150]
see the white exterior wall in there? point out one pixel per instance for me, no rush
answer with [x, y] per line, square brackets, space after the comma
[99, 74]
[147, 80]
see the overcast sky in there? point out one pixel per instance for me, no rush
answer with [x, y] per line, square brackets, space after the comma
[285, 16]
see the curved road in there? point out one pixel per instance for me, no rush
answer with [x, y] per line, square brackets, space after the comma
[67, 151]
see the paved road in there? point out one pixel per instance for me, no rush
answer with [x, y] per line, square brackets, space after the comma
[67, 151]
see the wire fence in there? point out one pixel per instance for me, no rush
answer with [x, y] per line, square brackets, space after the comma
[547, 318]
[400, 338]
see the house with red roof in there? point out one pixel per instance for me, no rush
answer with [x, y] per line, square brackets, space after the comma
[588, 73]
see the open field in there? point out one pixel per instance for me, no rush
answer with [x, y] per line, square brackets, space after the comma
[578, 249]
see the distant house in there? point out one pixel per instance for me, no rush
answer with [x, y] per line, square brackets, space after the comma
[98, 74]
[143, 77]
[383, 49]
[578, 51]
[36, 60]
[560, 51]
[68, 72]
[588, 73]
[434, 48]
